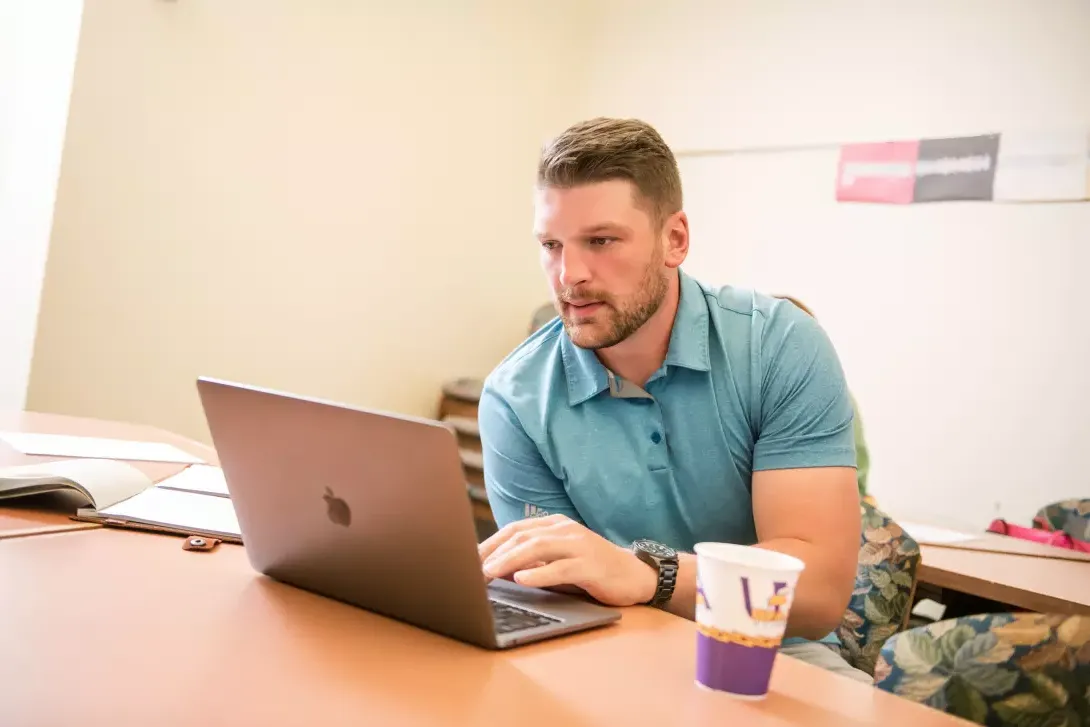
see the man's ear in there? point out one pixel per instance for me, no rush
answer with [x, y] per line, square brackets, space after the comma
[676, 239]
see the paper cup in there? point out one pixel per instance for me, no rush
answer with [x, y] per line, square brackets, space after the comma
[743, 596]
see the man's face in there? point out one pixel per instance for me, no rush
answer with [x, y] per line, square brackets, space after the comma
[604, 258]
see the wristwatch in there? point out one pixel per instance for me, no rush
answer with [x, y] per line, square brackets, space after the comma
[664, 559]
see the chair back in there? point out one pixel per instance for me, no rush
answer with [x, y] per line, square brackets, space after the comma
[998, 669]
[884, 588]
[1071, 517]
[541, 316]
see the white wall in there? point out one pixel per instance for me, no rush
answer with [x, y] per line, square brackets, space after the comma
[37, 54]
[963, 327]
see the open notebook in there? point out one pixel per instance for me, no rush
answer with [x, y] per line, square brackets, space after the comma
[111, 492]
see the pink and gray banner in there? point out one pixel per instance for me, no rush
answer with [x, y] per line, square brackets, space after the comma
[1007, 167]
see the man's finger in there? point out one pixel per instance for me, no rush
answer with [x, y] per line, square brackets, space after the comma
[536, 548]
[489, 579]
[520, 538]
[501, 536]
[505, 533]
[561, 572]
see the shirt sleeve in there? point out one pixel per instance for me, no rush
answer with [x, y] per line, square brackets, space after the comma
[517, 480]
[806, 413]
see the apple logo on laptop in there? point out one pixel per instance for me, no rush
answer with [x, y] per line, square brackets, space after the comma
[337, 509]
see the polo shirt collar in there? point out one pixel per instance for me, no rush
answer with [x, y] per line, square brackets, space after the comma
[689, 336]
[586, 376]
[585, 373]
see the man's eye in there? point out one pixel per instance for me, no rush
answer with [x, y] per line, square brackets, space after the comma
[550, 245]
[601, 240]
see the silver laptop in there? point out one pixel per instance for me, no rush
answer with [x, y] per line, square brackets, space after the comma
[371, 508]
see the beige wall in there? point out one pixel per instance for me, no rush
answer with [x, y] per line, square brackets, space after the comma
[962, 326]
[327, 197]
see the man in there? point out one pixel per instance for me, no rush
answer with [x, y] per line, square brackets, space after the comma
[657, 412]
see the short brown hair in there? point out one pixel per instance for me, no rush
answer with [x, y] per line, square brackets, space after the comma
[603, 149]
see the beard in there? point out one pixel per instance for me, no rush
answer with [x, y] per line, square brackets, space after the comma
[616, 320]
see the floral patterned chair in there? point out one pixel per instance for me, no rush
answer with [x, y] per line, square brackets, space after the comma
[1001, 669]
[1068, 516]
[884, 586]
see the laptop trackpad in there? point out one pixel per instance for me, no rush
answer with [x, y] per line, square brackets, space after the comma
[558, 604]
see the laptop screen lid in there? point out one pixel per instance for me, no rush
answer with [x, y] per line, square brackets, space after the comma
[362, 506]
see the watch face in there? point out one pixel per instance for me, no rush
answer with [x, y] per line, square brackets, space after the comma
[656, 549]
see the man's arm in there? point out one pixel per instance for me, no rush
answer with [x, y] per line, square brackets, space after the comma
[812, 514]
[805, 495]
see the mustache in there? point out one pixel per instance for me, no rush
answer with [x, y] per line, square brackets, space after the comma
[568, 295]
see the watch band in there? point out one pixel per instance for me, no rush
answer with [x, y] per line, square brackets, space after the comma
[667, 581]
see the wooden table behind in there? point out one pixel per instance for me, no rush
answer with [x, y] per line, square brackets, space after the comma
[1045, 585]
[50, 513]
[124, 628]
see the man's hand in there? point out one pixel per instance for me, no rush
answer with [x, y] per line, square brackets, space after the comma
[556, 551]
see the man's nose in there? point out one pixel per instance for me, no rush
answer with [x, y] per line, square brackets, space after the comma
[573, 267]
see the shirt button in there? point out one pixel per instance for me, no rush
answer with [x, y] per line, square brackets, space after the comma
[656, 437]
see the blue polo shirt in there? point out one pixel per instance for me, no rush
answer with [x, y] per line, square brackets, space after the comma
[750, 383]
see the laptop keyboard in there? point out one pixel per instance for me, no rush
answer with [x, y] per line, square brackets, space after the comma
[512, 618]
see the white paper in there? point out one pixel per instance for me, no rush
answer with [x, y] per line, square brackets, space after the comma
[185, 510]
[1043, 166]
[198, 478]
[64, 445]
[925, 534]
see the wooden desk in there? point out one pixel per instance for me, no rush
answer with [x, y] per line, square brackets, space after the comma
[126, 628]
[1044, 585]
[50, 513]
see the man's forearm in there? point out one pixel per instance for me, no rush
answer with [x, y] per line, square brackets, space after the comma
[817, 607]
[820, 599]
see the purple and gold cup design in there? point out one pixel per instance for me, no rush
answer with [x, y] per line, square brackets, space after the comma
[743, 598]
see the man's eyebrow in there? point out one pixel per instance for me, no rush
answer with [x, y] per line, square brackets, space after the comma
[611, 227]
[602, 228]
